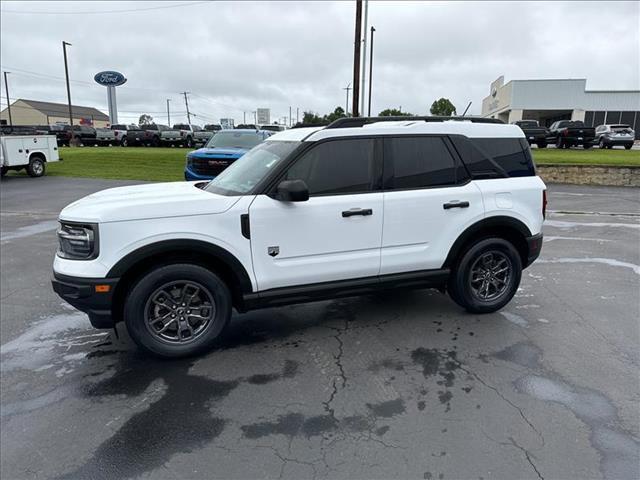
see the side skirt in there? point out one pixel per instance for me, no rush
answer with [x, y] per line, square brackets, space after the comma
[344, 288]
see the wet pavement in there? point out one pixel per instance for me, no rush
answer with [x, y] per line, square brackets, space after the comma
[401, 384]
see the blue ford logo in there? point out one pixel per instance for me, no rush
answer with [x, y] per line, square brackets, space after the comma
[109, 78]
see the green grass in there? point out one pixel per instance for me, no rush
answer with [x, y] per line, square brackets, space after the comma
[167, 164]
[615, 156]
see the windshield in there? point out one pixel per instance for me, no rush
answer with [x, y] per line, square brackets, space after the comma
[234, 139]
[245, 173]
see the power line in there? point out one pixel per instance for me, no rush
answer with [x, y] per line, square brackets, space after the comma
[100, 12]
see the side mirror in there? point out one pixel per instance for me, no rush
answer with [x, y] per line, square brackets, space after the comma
[292, 191]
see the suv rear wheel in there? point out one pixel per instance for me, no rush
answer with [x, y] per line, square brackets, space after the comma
[487, 276]
[177, 310]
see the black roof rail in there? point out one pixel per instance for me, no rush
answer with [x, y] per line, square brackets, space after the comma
[349, 122]
[305, 125]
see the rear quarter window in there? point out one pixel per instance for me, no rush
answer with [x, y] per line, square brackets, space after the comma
[496, 157]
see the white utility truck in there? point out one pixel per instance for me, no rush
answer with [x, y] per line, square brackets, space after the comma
[31, 152]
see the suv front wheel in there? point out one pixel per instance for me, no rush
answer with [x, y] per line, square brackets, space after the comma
[177, 310]
[487, 276]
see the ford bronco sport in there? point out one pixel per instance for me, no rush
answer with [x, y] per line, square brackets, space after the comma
[311, 213]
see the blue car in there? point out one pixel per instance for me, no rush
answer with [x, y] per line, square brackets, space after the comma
[224, 148]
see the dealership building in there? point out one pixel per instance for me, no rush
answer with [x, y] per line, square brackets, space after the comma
[32, 112]
[563, 99]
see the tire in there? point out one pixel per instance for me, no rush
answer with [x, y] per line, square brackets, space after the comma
[609, 147]
[560, 143]
[542, 145]
[601, 144]
[3, 171]
[77, 141]
[164, 285]
[189, 142]
[587, 146]
[628, 147]
[155, 142]
[36, 167]
[462, 288]
[123, 142]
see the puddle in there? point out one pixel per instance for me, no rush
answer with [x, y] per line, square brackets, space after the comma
[515, 319]
[561, 224]
[606, 261]
[45, 343]
[29, 230]
[619, 451]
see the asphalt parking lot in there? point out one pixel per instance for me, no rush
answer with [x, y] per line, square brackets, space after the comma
[399, 385]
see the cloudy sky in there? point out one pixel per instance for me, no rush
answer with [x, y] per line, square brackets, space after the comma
[237, 56]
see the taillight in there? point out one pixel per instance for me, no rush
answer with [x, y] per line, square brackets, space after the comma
[544, 204]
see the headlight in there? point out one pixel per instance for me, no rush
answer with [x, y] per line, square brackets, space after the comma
[78, 241]
[189, 159]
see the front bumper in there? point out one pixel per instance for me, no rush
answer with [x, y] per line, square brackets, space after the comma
[83, 294]
[534, 247]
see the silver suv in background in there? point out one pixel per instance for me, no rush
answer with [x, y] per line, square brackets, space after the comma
[608, 136]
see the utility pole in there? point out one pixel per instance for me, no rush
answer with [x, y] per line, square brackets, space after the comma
[370, 69]
[356, 59]
[6, 86]
[168, 116]
[186, 103]
[72, 141]
[346, 105]
[364, 55]
[289, 115]
[244, 117]
[297, 115]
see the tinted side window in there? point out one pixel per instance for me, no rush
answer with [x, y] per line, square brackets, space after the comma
[334, 167]
[420, 162]
[509, 153]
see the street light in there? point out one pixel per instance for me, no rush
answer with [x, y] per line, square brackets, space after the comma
[370, 68]
[346, 109]
[168, 116]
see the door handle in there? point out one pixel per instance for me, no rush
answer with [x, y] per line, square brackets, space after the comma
[455, 204]
[361, 211]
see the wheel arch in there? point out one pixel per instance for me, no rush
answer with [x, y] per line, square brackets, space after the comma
[38, 154]
[131, 267]
[509, 228]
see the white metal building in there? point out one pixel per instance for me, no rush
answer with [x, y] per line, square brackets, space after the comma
[563, 99]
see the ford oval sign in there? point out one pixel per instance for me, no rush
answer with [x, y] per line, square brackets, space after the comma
[109, 78]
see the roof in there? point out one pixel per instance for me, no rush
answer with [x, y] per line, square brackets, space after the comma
[407, 127]
[62, 109]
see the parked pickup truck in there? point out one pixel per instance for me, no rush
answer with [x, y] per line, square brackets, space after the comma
[204, 135]
[187, 133]
[153, 135]
[120, 132]
[571, 133]
[534, 133]
[81, 134]
[105, 136]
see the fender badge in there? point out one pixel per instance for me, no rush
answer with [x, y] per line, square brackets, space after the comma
[273, 251]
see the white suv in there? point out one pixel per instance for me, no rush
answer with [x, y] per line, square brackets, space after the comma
[311, 213]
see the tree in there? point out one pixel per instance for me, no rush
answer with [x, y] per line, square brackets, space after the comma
[145, 119]
[310, 118]
[394, 112]
[336, 114]
[443, 107]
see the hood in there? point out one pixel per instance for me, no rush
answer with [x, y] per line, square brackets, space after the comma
[218, 152]
[141, 202]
